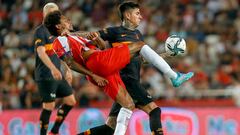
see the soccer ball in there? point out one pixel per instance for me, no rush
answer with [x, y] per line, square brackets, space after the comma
[175, 46]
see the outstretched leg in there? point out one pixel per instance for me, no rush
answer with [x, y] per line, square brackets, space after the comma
[152, 57]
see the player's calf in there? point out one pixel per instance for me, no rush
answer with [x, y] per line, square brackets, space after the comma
[124, 99]
[154, 113]
[61, 115]
[155, 121]
[44, 121]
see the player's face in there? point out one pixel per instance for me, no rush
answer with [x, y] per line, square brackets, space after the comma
[135, 16]
[65, 24]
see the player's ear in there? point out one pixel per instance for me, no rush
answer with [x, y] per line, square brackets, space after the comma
[127, 15]
[58, 26]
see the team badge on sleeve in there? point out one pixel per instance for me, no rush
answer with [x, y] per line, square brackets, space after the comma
[38, 41]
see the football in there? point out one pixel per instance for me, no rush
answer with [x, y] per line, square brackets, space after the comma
[175, 46]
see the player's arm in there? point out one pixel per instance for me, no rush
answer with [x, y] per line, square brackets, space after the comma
[97, 40]
[80, 33]
[93, 36]
[81, 69]
[107, 34]
[41, 51]
[67, 73]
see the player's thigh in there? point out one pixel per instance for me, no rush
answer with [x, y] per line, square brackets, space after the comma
[63, 89]
[109, 61]
[47, 90]
[112, 88]
[138, 93]
[117, 91]
[124, 99]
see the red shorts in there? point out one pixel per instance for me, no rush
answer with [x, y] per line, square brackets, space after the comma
[107, 64]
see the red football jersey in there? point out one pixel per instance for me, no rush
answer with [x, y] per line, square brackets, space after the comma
[71, 45]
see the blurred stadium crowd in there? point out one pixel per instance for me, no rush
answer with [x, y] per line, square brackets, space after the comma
[210, 27]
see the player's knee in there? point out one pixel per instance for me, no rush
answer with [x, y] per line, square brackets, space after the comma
[71, 102]
[127, 102]
[141, 44]
[130, 105]
[151, 106]
[136, 47]
[49, 105]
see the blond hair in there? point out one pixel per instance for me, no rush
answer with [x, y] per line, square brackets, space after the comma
[49, 7]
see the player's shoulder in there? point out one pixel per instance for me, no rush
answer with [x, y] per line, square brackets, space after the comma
[113, 28]
[138, 31]
[62, 40]
[40, 29]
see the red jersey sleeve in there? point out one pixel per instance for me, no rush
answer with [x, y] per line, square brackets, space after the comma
[58, 48]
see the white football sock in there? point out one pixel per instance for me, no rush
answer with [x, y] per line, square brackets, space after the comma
[152, 57]
[122, 121]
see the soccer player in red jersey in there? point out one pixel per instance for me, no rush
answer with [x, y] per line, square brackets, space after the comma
[51, 82]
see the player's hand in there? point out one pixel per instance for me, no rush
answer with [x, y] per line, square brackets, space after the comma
[65, 32]
[92, 36]
[100, 80]
[68, 77]
[56, 74]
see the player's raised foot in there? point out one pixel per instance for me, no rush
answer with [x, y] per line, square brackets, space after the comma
[181, 78]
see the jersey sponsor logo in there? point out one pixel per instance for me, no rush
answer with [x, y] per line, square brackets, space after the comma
[149, 96]
[53, 95]
[37, 41]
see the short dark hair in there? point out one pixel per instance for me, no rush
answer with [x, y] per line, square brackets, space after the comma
[51, 20]
[126, 6]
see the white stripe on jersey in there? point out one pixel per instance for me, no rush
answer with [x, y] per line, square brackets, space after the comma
[76, 38]
[64, 42]
[85, 39]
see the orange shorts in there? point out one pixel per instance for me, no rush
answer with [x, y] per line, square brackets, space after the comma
[107, 64]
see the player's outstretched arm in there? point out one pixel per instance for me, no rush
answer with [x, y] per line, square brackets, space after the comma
[81, 69]
[93, 36]
[97, 40]
[80, 33]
